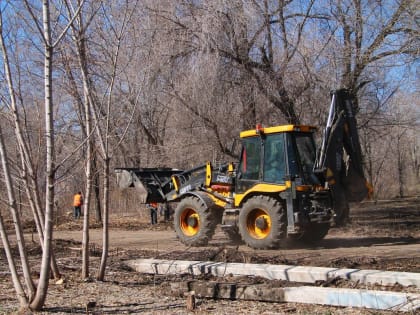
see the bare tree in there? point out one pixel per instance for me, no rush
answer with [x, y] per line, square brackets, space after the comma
[103, 129]
[98, 109]
[80, 41]
[369, 35]
[44, 28]
[49, 45]
[259, 39]
[404, 121]
[22, 297]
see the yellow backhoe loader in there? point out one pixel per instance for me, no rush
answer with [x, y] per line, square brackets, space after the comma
[281, 188]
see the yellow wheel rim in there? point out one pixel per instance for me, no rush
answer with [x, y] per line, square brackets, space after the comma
[190, 222]
[258, 224]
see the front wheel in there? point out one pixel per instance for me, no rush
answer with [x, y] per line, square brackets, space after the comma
[262, 222]
[194, 222]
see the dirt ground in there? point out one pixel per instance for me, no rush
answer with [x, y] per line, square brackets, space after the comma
[383, 235]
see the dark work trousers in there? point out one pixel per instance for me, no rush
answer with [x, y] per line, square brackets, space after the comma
[77, 212]
[167, 213]
[153, 215]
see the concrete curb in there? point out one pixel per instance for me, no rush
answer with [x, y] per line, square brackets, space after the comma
[274, 272]
[380, 300]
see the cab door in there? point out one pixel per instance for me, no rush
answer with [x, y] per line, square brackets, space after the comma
[249, 170]
[275, 166]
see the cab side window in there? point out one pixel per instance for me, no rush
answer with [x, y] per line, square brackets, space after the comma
[250, 159]
[274, 159]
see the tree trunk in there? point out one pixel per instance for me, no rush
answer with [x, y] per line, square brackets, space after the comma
[97, 191]
[16, 220]
[85, 242]
[42, 290]
[38, 214]
[400, 168]
[23, 301]
[82, 58]
[105, 233]
[416, 162]
[28, 174]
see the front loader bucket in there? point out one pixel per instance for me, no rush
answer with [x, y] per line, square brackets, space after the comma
[151, 183]
[128, 178]
[124, 178]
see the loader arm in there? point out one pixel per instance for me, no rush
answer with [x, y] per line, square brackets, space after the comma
[339, 161]
[152, 184]
[168, 184]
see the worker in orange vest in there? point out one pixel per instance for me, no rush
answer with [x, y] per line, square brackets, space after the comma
[153, 207]
[77, 203]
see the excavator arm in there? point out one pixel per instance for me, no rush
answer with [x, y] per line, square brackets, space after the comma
[339, 160]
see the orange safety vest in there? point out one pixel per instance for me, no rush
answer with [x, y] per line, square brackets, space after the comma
[77, 200]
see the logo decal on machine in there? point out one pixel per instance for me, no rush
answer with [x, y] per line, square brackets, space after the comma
[183, 190]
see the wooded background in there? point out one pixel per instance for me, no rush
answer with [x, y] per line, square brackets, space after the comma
[172, 83]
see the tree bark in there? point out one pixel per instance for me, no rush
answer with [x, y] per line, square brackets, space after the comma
[81, 52]
[27, 169]
[400, 166]
[23, 300]
[42, 290]
[85, 241]
[105, 217]
[16, 220]
[96, 189]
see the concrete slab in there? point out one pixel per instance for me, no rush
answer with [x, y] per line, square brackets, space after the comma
[379, 300]
[302, 274]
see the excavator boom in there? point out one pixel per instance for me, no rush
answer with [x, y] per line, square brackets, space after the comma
[339, 161]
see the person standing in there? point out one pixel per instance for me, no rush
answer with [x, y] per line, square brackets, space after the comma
[153, 207]
[77, 203]
[166, 212]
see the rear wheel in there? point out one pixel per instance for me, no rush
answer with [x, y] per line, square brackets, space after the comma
[194, 222]
[262, 222]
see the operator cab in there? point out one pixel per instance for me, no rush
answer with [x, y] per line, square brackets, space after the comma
[271, 155]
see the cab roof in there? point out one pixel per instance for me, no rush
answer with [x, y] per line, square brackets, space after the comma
[276, 129]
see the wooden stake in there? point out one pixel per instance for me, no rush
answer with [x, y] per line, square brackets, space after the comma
[190, 300]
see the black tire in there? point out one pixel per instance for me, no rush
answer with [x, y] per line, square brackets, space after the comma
[194, 222]
[314, 233]
[263, 222]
